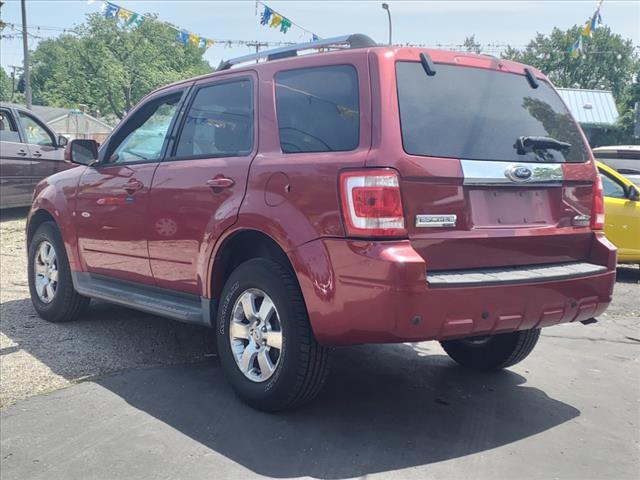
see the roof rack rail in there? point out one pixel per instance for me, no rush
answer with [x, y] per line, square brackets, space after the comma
[357, 40]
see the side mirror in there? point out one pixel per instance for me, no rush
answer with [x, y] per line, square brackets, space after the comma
[62, 141]
[633, 194]
[81, 151]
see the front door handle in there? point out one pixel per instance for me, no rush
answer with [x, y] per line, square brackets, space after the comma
[22, 153]
[220, 182]
[133, 185]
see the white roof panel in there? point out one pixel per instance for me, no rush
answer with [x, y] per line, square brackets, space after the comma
[590, 107]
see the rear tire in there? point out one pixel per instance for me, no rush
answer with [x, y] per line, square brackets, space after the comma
[50, 284]
[297, 366]
[494, 352]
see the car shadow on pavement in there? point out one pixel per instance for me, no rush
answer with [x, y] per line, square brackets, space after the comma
[14, 213]
[627, 274]
[106, 339]
[384, 408]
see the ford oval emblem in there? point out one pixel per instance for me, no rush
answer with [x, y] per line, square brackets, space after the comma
[518, 173]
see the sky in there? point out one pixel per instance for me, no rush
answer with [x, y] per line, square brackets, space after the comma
[431, 22]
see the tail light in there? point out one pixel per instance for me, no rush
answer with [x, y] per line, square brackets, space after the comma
[597, 206]
[372, 204]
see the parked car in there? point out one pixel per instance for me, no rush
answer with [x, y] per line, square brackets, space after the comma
[29, 152]
[362, 195]
[621, 213]
[624, 159]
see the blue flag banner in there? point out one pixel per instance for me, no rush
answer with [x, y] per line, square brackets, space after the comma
[266, 16]
[183, 37]
[111, 10]
[593, 22]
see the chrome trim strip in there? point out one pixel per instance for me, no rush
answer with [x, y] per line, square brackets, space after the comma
[481, 172]
[512, 275]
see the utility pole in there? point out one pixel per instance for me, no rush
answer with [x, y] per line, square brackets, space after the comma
[25, 48]
[257, 45]
[13, 79]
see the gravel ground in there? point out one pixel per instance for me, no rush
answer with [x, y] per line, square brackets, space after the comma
[36, 356]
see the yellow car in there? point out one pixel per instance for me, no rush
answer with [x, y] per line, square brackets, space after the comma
[621, 213]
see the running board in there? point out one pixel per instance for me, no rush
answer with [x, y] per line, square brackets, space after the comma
[158, 301]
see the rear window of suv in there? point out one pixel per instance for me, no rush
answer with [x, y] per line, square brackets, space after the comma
[478, 114]
[318, 109]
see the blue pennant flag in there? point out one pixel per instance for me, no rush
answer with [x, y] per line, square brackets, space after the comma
[266, 15]
[183, 37]
[111, 10]
[596, 20]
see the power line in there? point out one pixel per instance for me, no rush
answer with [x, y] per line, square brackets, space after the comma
[493, 47]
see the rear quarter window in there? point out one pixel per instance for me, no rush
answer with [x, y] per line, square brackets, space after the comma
[318, 109]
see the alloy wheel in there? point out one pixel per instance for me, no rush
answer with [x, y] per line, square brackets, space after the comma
[255, 333]
[45, 271]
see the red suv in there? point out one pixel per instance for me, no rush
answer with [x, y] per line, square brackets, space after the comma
[361, 195]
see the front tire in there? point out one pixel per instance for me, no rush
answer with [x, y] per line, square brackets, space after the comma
[265, 342]
[493, 352]
[50, 284]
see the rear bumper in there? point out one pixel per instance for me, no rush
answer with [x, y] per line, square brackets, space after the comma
[378, 292]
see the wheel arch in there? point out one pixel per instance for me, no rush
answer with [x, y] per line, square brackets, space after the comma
[37, 218]
[238, 247]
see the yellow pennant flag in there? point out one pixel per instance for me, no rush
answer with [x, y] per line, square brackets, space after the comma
[194, 39]
[124, 14]
[275, 20]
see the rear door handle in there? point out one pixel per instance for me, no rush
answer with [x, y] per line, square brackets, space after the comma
[37, 154]
[220, 182]
[22, 153]
[133, 185]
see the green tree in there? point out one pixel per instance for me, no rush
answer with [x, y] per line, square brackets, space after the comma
[471, 45]
[58, 77]
[609, 63]
[5, 86]
[109, 66]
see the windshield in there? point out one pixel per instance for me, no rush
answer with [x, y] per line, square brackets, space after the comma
[479, 114]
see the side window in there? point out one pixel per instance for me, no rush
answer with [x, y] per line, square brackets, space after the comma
[318, 109]
[612, 188]
[8, 128]
[144, 134]
[35, 132]
[219, 122]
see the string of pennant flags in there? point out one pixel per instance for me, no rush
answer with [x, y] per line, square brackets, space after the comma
[132, 19]
[577, 49]
[276, 20]
[269, 17]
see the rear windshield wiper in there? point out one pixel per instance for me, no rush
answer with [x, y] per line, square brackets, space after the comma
[524, 145]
